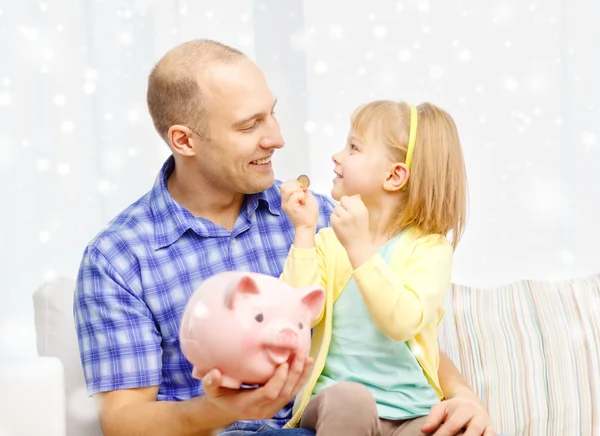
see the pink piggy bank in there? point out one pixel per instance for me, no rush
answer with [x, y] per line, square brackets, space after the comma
[245, 325]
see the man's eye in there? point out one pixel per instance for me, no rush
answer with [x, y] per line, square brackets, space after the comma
[249, 129]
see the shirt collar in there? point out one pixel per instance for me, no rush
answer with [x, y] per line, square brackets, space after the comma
[270, 198]
[171, 220]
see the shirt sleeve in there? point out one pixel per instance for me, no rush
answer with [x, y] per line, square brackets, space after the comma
[119, 343]
[404, 297]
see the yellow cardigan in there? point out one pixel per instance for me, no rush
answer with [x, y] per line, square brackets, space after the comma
[404, 297]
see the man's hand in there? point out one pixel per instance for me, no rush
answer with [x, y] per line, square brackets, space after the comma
[451, 416]
[260, 403]
[136, 411]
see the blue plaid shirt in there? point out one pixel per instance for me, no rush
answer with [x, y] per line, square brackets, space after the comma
[137, 274]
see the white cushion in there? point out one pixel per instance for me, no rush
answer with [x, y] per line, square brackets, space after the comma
[32, 399]
[56, 336]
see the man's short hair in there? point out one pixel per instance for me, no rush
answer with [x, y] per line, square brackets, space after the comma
[174, 95]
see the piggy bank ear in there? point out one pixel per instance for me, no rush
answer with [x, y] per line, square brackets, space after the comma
[313, 299]
[239, 289]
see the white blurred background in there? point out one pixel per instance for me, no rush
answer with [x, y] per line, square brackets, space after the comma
[520, 78]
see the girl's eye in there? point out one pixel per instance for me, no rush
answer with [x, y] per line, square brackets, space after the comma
[353, 147]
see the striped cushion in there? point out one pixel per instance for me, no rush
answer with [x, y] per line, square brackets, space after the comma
[530, 350]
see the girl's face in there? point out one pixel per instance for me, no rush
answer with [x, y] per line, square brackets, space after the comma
[360, 168]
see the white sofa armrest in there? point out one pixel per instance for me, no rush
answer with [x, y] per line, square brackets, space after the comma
[56, 337]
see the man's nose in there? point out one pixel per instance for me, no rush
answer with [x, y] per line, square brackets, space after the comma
[272, 137]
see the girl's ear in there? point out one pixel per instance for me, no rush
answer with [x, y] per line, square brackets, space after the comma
[396, 177]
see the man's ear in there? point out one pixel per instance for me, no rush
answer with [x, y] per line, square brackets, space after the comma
[396, 177]
[182, 140]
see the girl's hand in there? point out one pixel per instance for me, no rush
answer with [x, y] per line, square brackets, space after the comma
[350, 222]
[299, 204]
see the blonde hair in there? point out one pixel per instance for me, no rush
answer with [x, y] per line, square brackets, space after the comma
[435, 200]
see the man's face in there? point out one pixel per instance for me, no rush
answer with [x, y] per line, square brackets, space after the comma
[242, 127]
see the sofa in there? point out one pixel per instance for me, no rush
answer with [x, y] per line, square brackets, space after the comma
[529, 349]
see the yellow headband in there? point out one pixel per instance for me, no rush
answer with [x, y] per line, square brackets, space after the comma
[412, 138]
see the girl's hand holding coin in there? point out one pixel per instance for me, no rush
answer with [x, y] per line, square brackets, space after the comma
[298, 203]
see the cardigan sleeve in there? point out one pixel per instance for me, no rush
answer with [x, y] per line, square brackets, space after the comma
[405, 295]
[306, 267]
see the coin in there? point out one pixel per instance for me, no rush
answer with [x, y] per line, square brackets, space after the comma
[304, 181]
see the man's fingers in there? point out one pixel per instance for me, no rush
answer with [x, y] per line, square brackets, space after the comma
[437, 414]
[449, 419]
[477, 426]
[211, 382]
[455, 423]
[271, 391]
[294, 375]
[306, 371]
[490, 431]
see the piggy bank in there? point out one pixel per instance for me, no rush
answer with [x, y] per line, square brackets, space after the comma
[245, 325]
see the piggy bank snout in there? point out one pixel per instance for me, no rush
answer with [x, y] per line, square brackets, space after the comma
[287, 338]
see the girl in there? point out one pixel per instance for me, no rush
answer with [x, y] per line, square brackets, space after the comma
[385, 264]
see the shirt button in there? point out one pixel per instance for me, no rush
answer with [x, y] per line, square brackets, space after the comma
[233, 241]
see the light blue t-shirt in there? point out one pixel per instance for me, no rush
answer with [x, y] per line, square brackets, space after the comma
[360, 353]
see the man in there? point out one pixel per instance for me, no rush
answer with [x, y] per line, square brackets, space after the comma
[215, 206]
